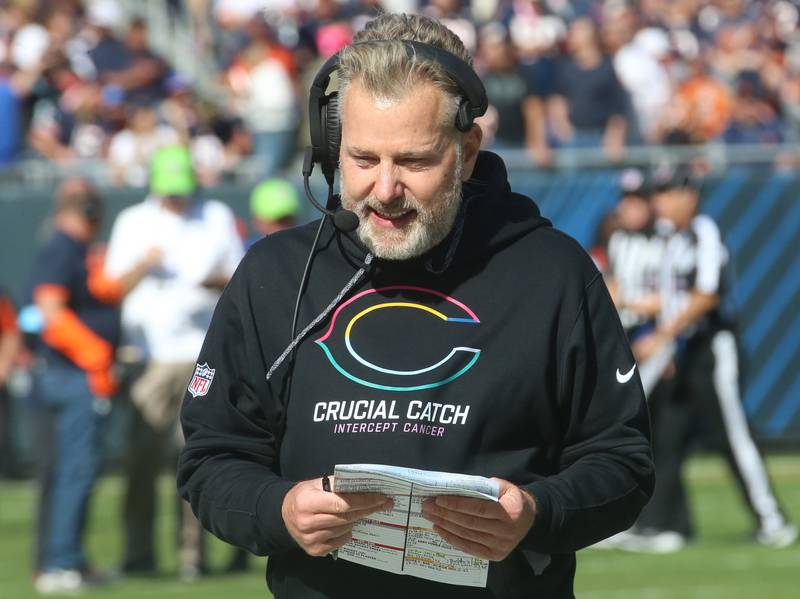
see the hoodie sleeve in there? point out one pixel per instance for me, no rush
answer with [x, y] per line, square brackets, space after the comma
[606, 470]
[228, 467]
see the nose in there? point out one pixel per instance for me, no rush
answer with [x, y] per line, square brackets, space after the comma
[387, 187]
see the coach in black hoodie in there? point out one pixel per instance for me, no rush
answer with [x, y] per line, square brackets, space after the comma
[456, 330]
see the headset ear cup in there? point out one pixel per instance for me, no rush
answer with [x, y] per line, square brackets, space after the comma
[332, 131]
[464, 116]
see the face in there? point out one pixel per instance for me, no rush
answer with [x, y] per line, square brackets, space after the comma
[137, 38]
[497, 53]
[581, 35]
[401, 169]
[677, 205]
[176, 204]
[633, 212]
[268, 227]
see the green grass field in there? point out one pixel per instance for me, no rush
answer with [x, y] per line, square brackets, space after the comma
[721, 564]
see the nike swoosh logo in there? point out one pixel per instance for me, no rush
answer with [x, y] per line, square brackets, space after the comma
[624, 378]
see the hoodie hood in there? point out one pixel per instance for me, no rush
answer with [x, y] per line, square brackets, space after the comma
[495, 216]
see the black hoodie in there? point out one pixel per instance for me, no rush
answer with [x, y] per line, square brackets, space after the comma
[498, 353]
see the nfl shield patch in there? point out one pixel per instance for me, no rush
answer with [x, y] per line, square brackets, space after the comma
[201, 381]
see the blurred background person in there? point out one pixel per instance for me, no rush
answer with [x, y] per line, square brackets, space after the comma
[754, 118]
[77, 126]
[132, 149]
[590, 105]
[10, 344]
[640, 67]
[262, 83]
[10, 113]
[700, 109]
[516, 116]
[126, 64]
[74, 380]
[164, 322]
[698, 399]
[635, 256]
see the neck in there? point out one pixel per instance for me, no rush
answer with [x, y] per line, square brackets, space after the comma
[588, 58]
[73, 226]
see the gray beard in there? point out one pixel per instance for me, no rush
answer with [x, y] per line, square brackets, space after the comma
[428, 229]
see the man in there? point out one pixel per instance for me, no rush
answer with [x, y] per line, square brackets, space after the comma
[74, 378]
[164, 321]
[446, 261]
[519, 107]
[590, 104]
[699, 397]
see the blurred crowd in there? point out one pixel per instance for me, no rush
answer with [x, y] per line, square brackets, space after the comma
[80, 80]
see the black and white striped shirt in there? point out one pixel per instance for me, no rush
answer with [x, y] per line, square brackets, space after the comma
[694, 260]
[634, 263]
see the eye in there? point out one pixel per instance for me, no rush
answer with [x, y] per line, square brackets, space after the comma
[365, 161]
[416, 164]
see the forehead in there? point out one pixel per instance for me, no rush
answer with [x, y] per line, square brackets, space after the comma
[410, 123]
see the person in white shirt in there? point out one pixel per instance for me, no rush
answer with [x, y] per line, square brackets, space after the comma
[164, 321]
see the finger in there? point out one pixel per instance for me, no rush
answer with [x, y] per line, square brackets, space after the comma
[470, 547]
[342, 503]
[437, 514]
[328, 520]
[328, 534]
[326, 547]
[468, 534]
[482, 508]
[340, 541]
[504, 486]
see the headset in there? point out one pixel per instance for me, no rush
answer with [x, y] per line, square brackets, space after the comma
[326, 130]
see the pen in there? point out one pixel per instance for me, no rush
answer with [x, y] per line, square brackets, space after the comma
[326, 486]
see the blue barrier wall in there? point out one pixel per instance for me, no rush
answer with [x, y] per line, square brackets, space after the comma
[759, 215]
[758, 212]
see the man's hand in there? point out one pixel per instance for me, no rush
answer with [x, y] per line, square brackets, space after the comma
[321, 521]
[483, 528]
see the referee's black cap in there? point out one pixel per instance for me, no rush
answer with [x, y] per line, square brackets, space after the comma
[674, 177]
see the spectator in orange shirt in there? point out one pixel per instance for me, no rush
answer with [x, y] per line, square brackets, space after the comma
[702, 107]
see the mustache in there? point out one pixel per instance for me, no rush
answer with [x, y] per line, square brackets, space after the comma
[396, 207]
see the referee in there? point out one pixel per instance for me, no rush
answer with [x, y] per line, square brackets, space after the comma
[699, 399]
[635, 254]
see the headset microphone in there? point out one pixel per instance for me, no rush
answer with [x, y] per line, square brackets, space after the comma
[344, 220]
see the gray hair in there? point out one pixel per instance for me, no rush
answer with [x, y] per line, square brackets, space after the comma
[379, 61]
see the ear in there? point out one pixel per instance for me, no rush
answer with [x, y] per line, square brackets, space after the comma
[471, 144]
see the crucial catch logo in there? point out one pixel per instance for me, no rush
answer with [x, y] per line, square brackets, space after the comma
[201, 381]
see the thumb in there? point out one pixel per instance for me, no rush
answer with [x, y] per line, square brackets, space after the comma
[505, 486]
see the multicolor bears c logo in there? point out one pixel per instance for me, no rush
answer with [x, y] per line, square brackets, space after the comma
[459, 358]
